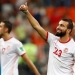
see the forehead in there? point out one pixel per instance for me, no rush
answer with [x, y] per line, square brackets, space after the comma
[1, 24]
[63, 23]
[73, 24]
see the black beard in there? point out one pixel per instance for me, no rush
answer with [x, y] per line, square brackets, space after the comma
[61, 34]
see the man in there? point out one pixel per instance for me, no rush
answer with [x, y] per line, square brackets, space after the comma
[62, 46]
[11, 52]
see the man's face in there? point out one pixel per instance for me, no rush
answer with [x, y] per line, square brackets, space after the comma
[2, 29]
[61, 29]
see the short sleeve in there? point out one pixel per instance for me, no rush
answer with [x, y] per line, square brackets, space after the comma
[51, 37]
[20, 49]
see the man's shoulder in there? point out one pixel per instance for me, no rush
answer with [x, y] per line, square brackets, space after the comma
[15, 41]
[52, 36]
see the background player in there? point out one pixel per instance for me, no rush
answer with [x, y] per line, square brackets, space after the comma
[11, 52]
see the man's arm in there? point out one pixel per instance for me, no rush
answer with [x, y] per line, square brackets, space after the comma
[33, 21]
[30, 64]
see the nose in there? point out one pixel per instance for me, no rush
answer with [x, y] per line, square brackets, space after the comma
[58, 27]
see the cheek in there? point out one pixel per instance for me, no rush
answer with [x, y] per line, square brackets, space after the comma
[62, 30]
[0, 30]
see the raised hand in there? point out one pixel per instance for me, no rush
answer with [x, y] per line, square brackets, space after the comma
[23, 7]
[34, 23]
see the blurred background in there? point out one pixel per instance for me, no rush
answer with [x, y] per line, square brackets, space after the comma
[48, 13]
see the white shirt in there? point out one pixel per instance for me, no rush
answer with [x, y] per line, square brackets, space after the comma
[10, 55]
[61, 56]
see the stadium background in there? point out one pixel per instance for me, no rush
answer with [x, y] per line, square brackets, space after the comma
[48, 13]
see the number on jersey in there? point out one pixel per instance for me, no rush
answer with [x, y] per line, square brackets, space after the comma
[57, 52]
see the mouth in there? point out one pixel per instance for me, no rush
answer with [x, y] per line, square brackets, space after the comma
[58, 30]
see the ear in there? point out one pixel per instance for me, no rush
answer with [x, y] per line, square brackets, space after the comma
[69, 31]
[6, 30]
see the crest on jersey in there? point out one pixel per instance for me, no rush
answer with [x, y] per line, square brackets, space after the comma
[65, 50]
[8, 48]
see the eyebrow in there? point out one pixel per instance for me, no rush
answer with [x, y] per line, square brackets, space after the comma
[61, 24]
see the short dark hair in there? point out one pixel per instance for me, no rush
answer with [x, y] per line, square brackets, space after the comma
[8, 25]
[70, 23]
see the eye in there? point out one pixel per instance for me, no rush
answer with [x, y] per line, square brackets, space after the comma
[62, 25]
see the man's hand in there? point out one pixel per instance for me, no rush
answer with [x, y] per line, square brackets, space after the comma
[24, 7]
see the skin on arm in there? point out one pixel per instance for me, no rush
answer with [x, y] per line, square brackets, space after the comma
[30, 64]
[33, 21]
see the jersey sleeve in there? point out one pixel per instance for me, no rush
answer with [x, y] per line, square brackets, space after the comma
[20, 49]
[51, 37]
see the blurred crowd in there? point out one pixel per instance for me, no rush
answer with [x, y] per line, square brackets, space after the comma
[48, 13]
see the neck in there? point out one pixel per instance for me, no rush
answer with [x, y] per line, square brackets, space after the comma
[6, 37]
[64, 39]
